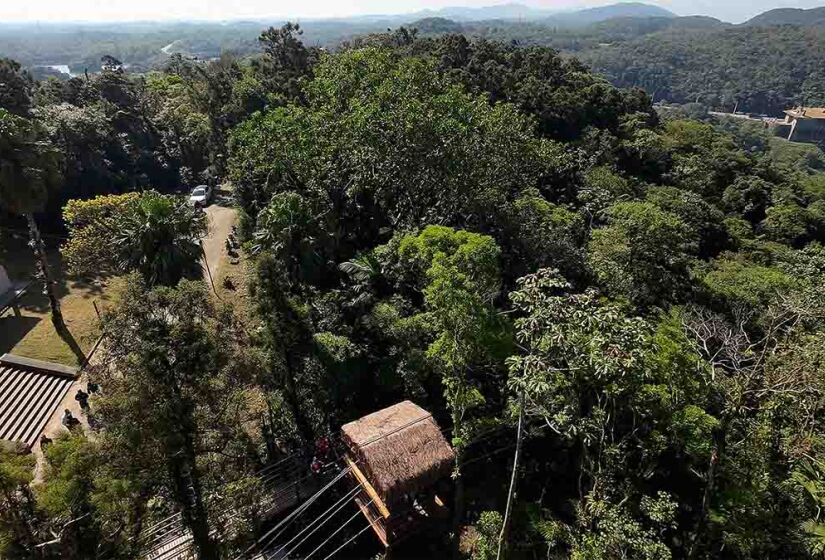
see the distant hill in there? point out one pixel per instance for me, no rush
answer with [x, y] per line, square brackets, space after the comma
[697, 22]
[789, 16]
[764, 69]
[437, 25]
[582, 18]
[638, 26]
[566, 18]
[503, 11]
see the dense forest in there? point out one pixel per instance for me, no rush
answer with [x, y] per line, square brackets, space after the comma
[761, 70]
[763, 66]
[489, 230]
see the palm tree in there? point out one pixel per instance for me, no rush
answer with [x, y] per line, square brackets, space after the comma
[159, 236]
[29, 171]
[366, 273]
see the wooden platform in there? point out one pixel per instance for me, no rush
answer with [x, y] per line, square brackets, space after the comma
[30, 392]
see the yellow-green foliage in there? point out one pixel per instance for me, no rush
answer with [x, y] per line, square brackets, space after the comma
[91, 225]
[462, 279]
[488, 527]
[474, 255]
[335, 348]
[70, 463]
[742, 283]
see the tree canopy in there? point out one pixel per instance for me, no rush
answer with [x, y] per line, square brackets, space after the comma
[633, 302]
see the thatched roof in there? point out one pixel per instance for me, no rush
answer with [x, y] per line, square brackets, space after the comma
[400, 449]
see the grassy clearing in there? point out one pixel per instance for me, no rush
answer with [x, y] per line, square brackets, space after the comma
[33, 334]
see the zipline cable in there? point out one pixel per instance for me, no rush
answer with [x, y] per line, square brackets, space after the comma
[275, 464]
[269, 477]
[358, 534]
[497, 451]
[303, 507]
[291, 517]
[275, 476]
[338, 506]
[338, 530]
[286, 487]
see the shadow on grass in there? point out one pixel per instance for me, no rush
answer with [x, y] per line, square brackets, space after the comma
[21, 265]
[36, 301]
[14, 329]
[91, 287]
[70, 341]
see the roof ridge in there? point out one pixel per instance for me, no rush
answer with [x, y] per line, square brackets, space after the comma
[39, 365]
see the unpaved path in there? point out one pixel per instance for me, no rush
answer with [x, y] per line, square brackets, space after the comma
[221, 220]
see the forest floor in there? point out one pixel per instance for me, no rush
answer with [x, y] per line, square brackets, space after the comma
[33, 335]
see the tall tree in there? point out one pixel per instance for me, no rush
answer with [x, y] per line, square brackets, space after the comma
[286, 61]
[593, 376]
[642, 254]
[459, 274]
[287, 338]
[388, 142]
[174, 366]
[15, 88]
[28, 175]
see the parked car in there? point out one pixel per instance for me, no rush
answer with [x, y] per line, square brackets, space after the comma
[200, 196]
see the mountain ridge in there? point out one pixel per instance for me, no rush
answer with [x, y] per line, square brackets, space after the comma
[599, 14]
[789, 16]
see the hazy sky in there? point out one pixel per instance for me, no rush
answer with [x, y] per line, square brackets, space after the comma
[123, 10]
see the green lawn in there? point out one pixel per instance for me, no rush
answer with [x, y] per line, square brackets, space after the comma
[33, 334]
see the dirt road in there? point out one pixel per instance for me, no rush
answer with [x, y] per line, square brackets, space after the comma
[221, 220]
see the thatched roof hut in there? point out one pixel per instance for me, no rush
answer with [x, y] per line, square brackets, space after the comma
[400, 450]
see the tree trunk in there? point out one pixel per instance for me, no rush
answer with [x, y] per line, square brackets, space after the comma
[710, 486]
[458, 501]
[188, 493]
[458, 505]
[505, 526]
[136, 520]
[182, 464]
[39, 249]
[291, 394]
